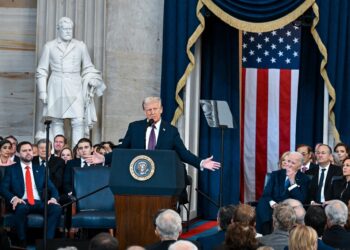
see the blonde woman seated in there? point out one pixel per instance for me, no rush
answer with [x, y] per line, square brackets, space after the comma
[282, 163]
[302, 237]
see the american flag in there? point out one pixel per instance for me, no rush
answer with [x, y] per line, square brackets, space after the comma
[269, 92]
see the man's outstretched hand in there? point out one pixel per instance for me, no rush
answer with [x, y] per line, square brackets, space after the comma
[210, 164]
[95, 158]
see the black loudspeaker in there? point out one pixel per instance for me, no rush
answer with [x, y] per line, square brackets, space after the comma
[54, 244]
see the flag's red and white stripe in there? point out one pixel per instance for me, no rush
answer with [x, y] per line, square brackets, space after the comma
[268, 118]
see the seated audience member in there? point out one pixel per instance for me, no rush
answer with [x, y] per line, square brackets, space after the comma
[239, 236]
[100, 149]
[316, 218]
[59, 142]
[283, 184]
[108, 145]
[183, 245]
[307, 153]
[224, 218]
[340, 188]
[14, 143]
[5, 153]
[104, 241]
[298, 208]
[320, 184]
[284, 219]
[56, 164]
[168, 229]
[282, 163]
[23, 189]
[335, 234]
[245, 215]
[84, 146]
[35, 150]
[66, 154]
[302, 237]
[342, 152]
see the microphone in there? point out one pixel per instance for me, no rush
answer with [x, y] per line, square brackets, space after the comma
[150, 122]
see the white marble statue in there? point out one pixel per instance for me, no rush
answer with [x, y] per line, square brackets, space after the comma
[73, 82]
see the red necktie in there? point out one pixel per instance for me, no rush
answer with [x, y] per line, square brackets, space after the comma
[29, 187]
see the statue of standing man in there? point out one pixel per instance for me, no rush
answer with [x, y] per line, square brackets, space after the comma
[73, 82]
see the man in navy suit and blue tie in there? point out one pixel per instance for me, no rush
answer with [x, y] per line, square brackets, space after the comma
[23, 188]
[283, 184]
[154, 133]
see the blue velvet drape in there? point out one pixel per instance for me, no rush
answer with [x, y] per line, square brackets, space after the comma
[220, 81]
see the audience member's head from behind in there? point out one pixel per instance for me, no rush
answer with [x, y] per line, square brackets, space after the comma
[135, 247]
[168, 225]
[225, 216]
[337, 213]
[244, 214]
[316, 218]
[302, 237]
[283, 217]
[240, 236]
[183, 245]
[298, 208]
[103, 241]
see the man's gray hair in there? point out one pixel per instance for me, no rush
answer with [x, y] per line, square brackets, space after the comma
[64, 20]
[150, 99]
[168, 225]
[301, 157]
[43, 141]
[183, 245]
[336, 212]
[298, 208]
[284, 217]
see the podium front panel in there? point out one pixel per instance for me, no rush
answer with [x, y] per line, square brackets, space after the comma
[168, 177]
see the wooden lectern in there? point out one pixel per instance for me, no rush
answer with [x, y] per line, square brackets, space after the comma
[143, 181]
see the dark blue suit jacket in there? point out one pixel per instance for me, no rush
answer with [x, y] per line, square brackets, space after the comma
[275, 190]
[211, 241]
[68, 177]
[168, 139]
[13, 182]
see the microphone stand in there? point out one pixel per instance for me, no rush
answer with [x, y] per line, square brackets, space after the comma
[47, 123]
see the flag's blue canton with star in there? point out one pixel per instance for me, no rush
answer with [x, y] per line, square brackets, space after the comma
[278, 49]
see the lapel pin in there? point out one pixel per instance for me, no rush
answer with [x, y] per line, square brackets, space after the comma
[163, 129]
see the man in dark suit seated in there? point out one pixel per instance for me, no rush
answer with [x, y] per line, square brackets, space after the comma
[224, 218]
[307, 153]
[320, 185]
[56, 164]
[23, 187]
[153, 133]
[84, 148]
[283, 184]
[335, 234]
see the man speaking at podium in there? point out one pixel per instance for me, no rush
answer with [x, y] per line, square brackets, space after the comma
[153, 133]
